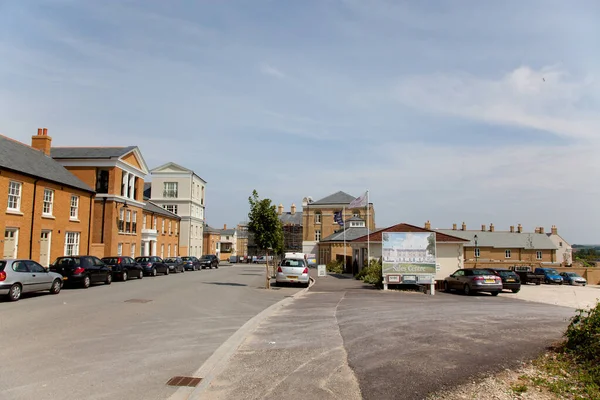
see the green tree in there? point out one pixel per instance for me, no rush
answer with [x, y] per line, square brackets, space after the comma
[264, 224]
[431, 244]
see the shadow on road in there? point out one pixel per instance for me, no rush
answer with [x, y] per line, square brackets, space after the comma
[252, 274]
[225, 283]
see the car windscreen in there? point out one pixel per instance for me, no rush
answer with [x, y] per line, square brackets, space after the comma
[292, 263]
[205, 258]
[506, 273]
[552, 271]
[2, 265]
[187, 258]
[170, 260]
[110, 260]
[143, 259]
[481, 272]
[67, 261]
[573, 274]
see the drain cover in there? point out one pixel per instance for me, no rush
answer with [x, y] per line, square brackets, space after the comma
[184, 381]
[137, 301]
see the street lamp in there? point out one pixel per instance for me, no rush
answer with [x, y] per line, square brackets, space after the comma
[476, 250]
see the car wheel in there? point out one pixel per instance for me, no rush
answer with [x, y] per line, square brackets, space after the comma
[560, 283]
[538, 283]
[14, 293]
[154, 273]
[86, 282]
[495, 293]
[467, 290]
[446, 287]
[108, 280]
[124, 276]
[56, 286]
[167, 271]
[140, 274]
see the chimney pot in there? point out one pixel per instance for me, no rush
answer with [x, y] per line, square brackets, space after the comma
[293, 209]
[482, 228]
[427, 225]
[40, 131]
[554, 230]
[42, 141]
[541, 229]
[512, 229]
[280, 209]
[453, 227]
[491, 227]
[45, 131]
[464, 226]
[519, 228]
[224, 226]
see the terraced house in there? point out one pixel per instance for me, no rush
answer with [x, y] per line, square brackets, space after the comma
[45, 211]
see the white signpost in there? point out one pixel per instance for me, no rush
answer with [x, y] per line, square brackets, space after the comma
[322, 270]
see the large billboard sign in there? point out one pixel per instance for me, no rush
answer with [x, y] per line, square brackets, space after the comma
[408, 257]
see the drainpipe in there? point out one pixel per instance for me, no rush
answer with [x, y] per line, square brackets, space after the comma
[90, 222]
[103, 213]
[32, 219]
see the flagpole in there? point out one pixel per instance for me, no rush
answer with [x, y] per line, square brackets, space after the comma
[368, 232]
[344, 227]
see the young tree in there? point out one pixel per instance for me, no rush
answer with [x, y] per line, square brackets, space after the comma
[264, 223]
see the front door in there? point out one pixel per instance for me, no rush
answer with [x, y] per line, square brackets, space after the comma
[11, 242]
[45, 248]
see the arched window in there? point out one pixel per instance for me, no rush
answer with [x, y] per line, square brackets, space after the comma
[318, 217]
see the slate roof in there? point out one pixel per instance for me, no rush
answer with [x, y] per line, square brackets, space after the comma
[336, 198]
[354, 219]
[227, 231]
[19, 157]
[439, 236]
[504, 240]
[351, 234]
[156, 209]
[90, 152]
[210, 229]
[288, 219]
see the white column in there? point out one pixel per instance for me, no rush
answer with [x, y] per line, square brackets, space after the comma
[126, 182]
[154, 247]
[131, 192]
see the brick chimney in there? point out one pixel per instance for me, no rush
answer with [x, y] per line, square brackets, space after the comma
[453, 227]
[464, 226]
[519, 228]
[541, 229]
[428, 225]
[224, 226]
[482, 228]
[293, 209]
[537, 230]
[554, 230]
[512, 229]
[491, 227]
[42, 141]
[280, 209]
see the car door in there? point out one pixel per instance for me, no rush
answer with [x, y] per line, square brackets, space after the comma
[93, 265]
[458, 280]
[23, 276]
[40, 277]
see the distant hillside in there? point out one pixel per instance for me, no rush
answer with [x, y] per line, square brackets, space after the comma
[577, 247]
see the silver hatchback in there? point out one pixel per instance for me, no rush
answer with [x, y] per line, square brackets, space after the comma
[292, 270]
[25, 276]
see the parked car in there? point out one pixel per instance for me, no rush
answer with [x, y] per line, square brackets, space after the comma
[573, 278]
[191, 263]
[175, 264]
[292, 270]
[550, 275]
[153, 265]
[471, 281]
[26, 276]
[527, 274]
[209, 261]
[82, 270]
[510, 280]
[124, 267]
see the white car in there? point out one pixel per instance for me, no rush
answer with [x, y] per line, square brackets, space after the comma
[293, 270]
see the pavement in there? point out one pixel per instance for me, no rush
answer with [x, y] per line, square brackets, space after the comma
[126, 340]
[562, 295]
[342, 339]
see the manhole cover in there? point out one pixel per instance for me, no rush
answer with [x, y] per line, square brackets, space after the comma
[184, 381]
[137, 301]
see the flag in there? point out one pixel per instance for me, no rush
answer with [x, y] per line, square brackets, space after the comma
[359, 202]
[337, 217]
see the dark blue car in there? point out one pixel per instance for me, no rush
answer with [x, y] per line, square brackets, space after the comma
[551, 275]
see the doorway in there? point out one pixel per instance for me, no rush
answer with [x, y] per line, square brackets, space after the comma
[45, 239]
[11, 242]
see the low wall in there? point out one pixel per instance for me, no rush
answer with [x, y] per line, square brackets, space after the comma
[592, 275]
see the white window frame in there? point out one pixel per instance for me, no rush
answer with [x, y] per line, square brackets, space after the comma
[144, 221]
[132, 250]
[171, 208]
[477, 252]
[318, 217]
[162, 250]
[507, 253]
[538, 255]
[317, 235]
[170, 228]
[170, 190]
[154, 223]
[128, 221]
[14, 195]
[48, 204]
[72, 243]
[121, 220]
[134, 222]
[74, 211]
[120, 249]
[176, 228]
[175, 250]
[169, 250]
[163, 226]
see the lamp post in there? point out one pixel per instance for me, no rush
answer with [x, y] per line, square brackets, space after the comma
[476, 250]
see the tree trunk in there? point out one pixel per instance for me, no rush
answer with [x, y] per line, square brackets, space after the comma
[268, 280]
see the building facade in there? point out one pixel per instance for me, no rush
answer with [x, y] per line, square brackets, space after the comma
[228, 243]
[160, 232]
[117, 174]
[292, 228]
[488, 247]
[337, 246]
[564, 251]
[318, 218]
[181, 191]
[212, 239]
[45, 211]
[242, 239]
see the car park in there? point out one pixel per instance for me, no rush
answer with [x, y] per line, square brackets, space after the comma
[209, 261]
[550, 275]
[527, 274]
[82, 270]
[573, 278]
[26, 276]
[473, 280]
[292, 270]
[123, 268]
[153, 265]
[175, 264]
[191, 263]
[510, 280]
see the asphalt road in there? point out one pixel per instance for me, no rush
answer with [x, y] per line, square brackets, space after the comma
[94, 344]
[342, 339]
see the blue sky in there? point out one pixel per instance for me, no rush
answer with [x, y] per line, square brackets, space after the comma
[448, 111]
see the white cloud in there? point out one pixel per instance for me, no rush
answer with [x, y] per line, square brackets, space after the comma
[271, 71]
[547, 99]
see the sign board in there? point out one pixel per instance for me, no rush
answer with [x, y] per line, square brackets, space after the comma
[393, 278]
[322, 270]
[410, 255]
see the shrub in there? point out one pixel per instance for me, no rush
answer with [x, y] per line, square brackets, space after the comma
[372, 274]
[335, 267]
[583, 341]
